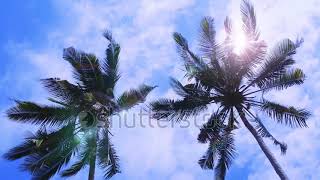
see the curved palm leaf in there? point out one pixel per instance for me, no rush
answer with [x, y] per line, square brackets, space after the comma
[107, 158]
[63, 90]
[286, 115]
[276, 63]
[226, 153]
[288, 79]
[263, 131]
[86, 69]
[110, 65]
[134, 96]
[29, 112]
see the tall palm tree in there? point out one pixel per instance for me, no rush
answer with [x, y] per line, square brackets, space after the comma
[77, 124]
[235, 84]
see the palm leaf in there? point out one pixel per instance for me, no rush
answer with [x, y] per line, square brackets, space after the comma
[249, 20]
[207, 161]
[263, 131]
[55, 150]
[110, 65]
[86, 69]
[207, 40]
[177, 109]
[211, 130]
[288, 79]
[29, 112]
[63, 90]
[276, 63]
[226, 153]
[134, 96]
[108, 160]
[286, 115]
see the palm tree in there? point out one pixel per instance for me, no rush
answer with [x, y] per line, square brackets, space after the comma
[235, 84]
[77, 124]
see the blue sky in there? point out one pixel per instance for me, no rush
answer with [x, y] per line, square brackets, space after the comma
[33, 35]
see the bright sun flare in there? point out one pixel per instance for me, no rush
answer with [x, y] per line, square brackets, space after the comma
[239, 41]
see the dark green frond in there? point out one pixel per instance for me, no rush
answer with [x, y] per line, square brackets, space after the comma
[29, 112]
[207, 42]
[134, 96]
[177, 110]
[87, 151]
[191, 60]
[211, 131]
[54, 151]
[207, 161]
[189, 90]
[288, 79]
[226, 153]
[63, 90]
[86, 69]
[263, 131]
[276, 63]
[286, 115]
[249, 20]
[107, 158]
[76, 167]
[24, 149]
[110, 65]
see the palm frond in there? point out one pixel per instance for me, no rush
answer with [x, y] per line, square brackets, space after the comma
[63, 90]
[226, 153]
[288, 79]
[54, 151]
[207, 160]
[189, 90]
[29, 112]
[134, 96]
[110, 65]
[207, 41]
[107, 158]
[249, 20]
[167, 109]
[263, 131]
[191, 60]
[87, 151]
[24, 149]
[276, 63]
[286, 115]
[76, 167]
[211, 131]
[86, 69]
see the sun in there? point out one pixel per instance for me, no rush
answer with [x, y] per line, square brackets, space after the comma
[239, 41]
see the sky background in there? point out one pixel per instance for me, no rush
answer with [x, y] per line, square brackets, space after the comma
[33, 34]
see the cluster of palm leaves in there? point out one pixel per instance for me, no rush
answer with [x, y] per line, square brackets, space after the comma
[75, 127]
[235, 83]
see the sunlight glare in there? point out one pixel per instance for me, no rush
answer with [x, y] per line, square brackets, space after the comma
[239, 41]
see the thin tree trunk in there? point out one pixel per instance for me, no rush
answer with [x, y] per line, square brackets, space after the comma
[92, 162]
[276, 166]
[92, 167]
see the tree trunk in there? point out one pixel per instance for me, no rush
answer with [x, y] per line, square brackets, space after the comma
[92, 162]
[92, 167]
[276, 166]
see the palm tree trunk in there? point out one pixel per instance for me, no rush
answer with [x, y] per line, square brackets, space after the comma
[92, 167]
[92, 162]
[276, 166]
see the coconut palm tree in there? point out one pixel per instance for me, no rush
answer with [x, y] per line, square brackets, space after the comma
[77, 123]
[234, 83]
